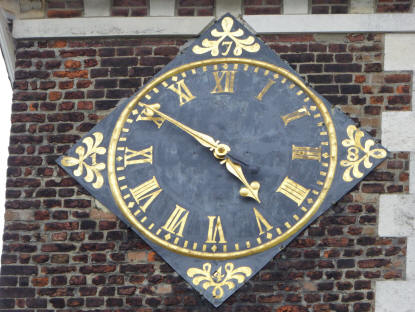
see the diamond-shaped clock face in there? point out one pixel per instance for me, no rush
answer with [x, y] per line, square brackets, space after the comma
[222, 159]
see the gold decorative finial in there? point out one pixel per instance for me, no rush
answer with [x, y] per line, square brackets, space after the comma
[353, 154]
[93, 168]
[248, 44]
[218, 280]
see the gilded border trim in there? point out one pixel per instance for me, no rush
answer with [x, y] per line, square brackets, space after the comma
[116, 193]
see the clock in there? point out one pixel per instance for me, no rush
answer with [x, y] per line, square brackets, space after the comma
[222, 159]
[180, 194]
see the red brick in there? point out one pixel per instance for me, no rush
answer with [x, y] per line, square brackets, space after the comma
[64, 13]
[55, 95]
[72, 64]
[71, 74]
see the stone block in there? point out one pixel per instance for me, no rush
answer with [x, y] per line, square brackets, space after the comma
[362, 6]
[162, 7]
[397, 215]
[295, 6]
[399, 52]
[97, 8]
[393, 294]
[396, 134]
[228, 6]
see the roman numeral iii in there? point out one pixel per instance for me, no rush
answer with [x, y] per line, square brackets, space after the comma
[132, 157]
[224, 81]
[176, 220]
[215, 229]
[293, 190]
[146, 192]
[305, 152]
[181, 89]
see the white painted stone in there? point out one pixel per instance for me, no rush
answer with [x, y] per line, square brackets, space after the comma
[162, 7]
[332, 23]
[12, 6]
[397, 131]
[412, 172]
[397, 212]
[228, 6]
[399, 56]
[27, 5]
[410, 259]
[362, 6]
[397, 215]
[95, 8]
[295, 6]
[190, 26]
[7, 45]
[109, 27]
[399, 51]
[393, 296]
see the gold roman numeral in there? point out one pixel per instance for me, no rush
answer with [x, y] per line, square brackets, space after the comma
[265, 89]
[261, 221]
[156, 119]
[176, 220]
[302, 112]
[224, 81]
[147, 191]
[293, 190]
[182, 91]
[305, 152]
[132, 157]
[215, 228]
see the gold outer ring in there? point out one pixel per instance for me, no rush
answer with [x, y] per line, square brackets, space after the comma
[116, 193]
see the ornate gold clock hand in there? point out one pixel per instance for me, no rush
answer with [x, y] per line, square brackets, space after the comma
[220, 151]
[250, 189]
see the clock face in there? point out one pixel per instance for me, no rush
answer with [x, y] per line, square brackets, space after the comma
[172, 188]
[222, 159]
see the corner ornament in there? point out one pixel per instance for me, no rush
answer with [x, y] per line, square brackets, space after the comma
[218, 279]
[93, 169]
[353, 154]
[248, 44]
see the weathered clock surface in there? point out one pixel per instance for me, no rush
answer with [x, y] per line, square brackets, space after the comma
[222, 159]
[179, 195]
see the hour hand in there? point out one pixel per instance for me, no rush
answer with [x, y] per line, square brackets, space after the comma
[250, 189]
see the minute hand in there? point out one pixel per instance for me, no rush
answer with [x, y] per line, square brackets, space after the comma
[219, 150]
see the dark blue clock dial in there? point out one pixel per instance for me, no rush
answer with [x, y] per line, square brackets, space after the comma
[186, 199]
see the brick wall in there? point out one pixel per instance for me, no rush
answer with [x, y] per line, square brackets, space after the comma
[64, 8]
[393, 6]
[195, 7]
[129, 8]
[329, 6]
[251, 7]
[63, 253]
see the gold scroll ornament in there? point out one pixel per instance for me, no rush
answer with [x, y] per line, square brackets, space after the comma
[93, 169]
[248, 44]
[218, 280]
[355, 148]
